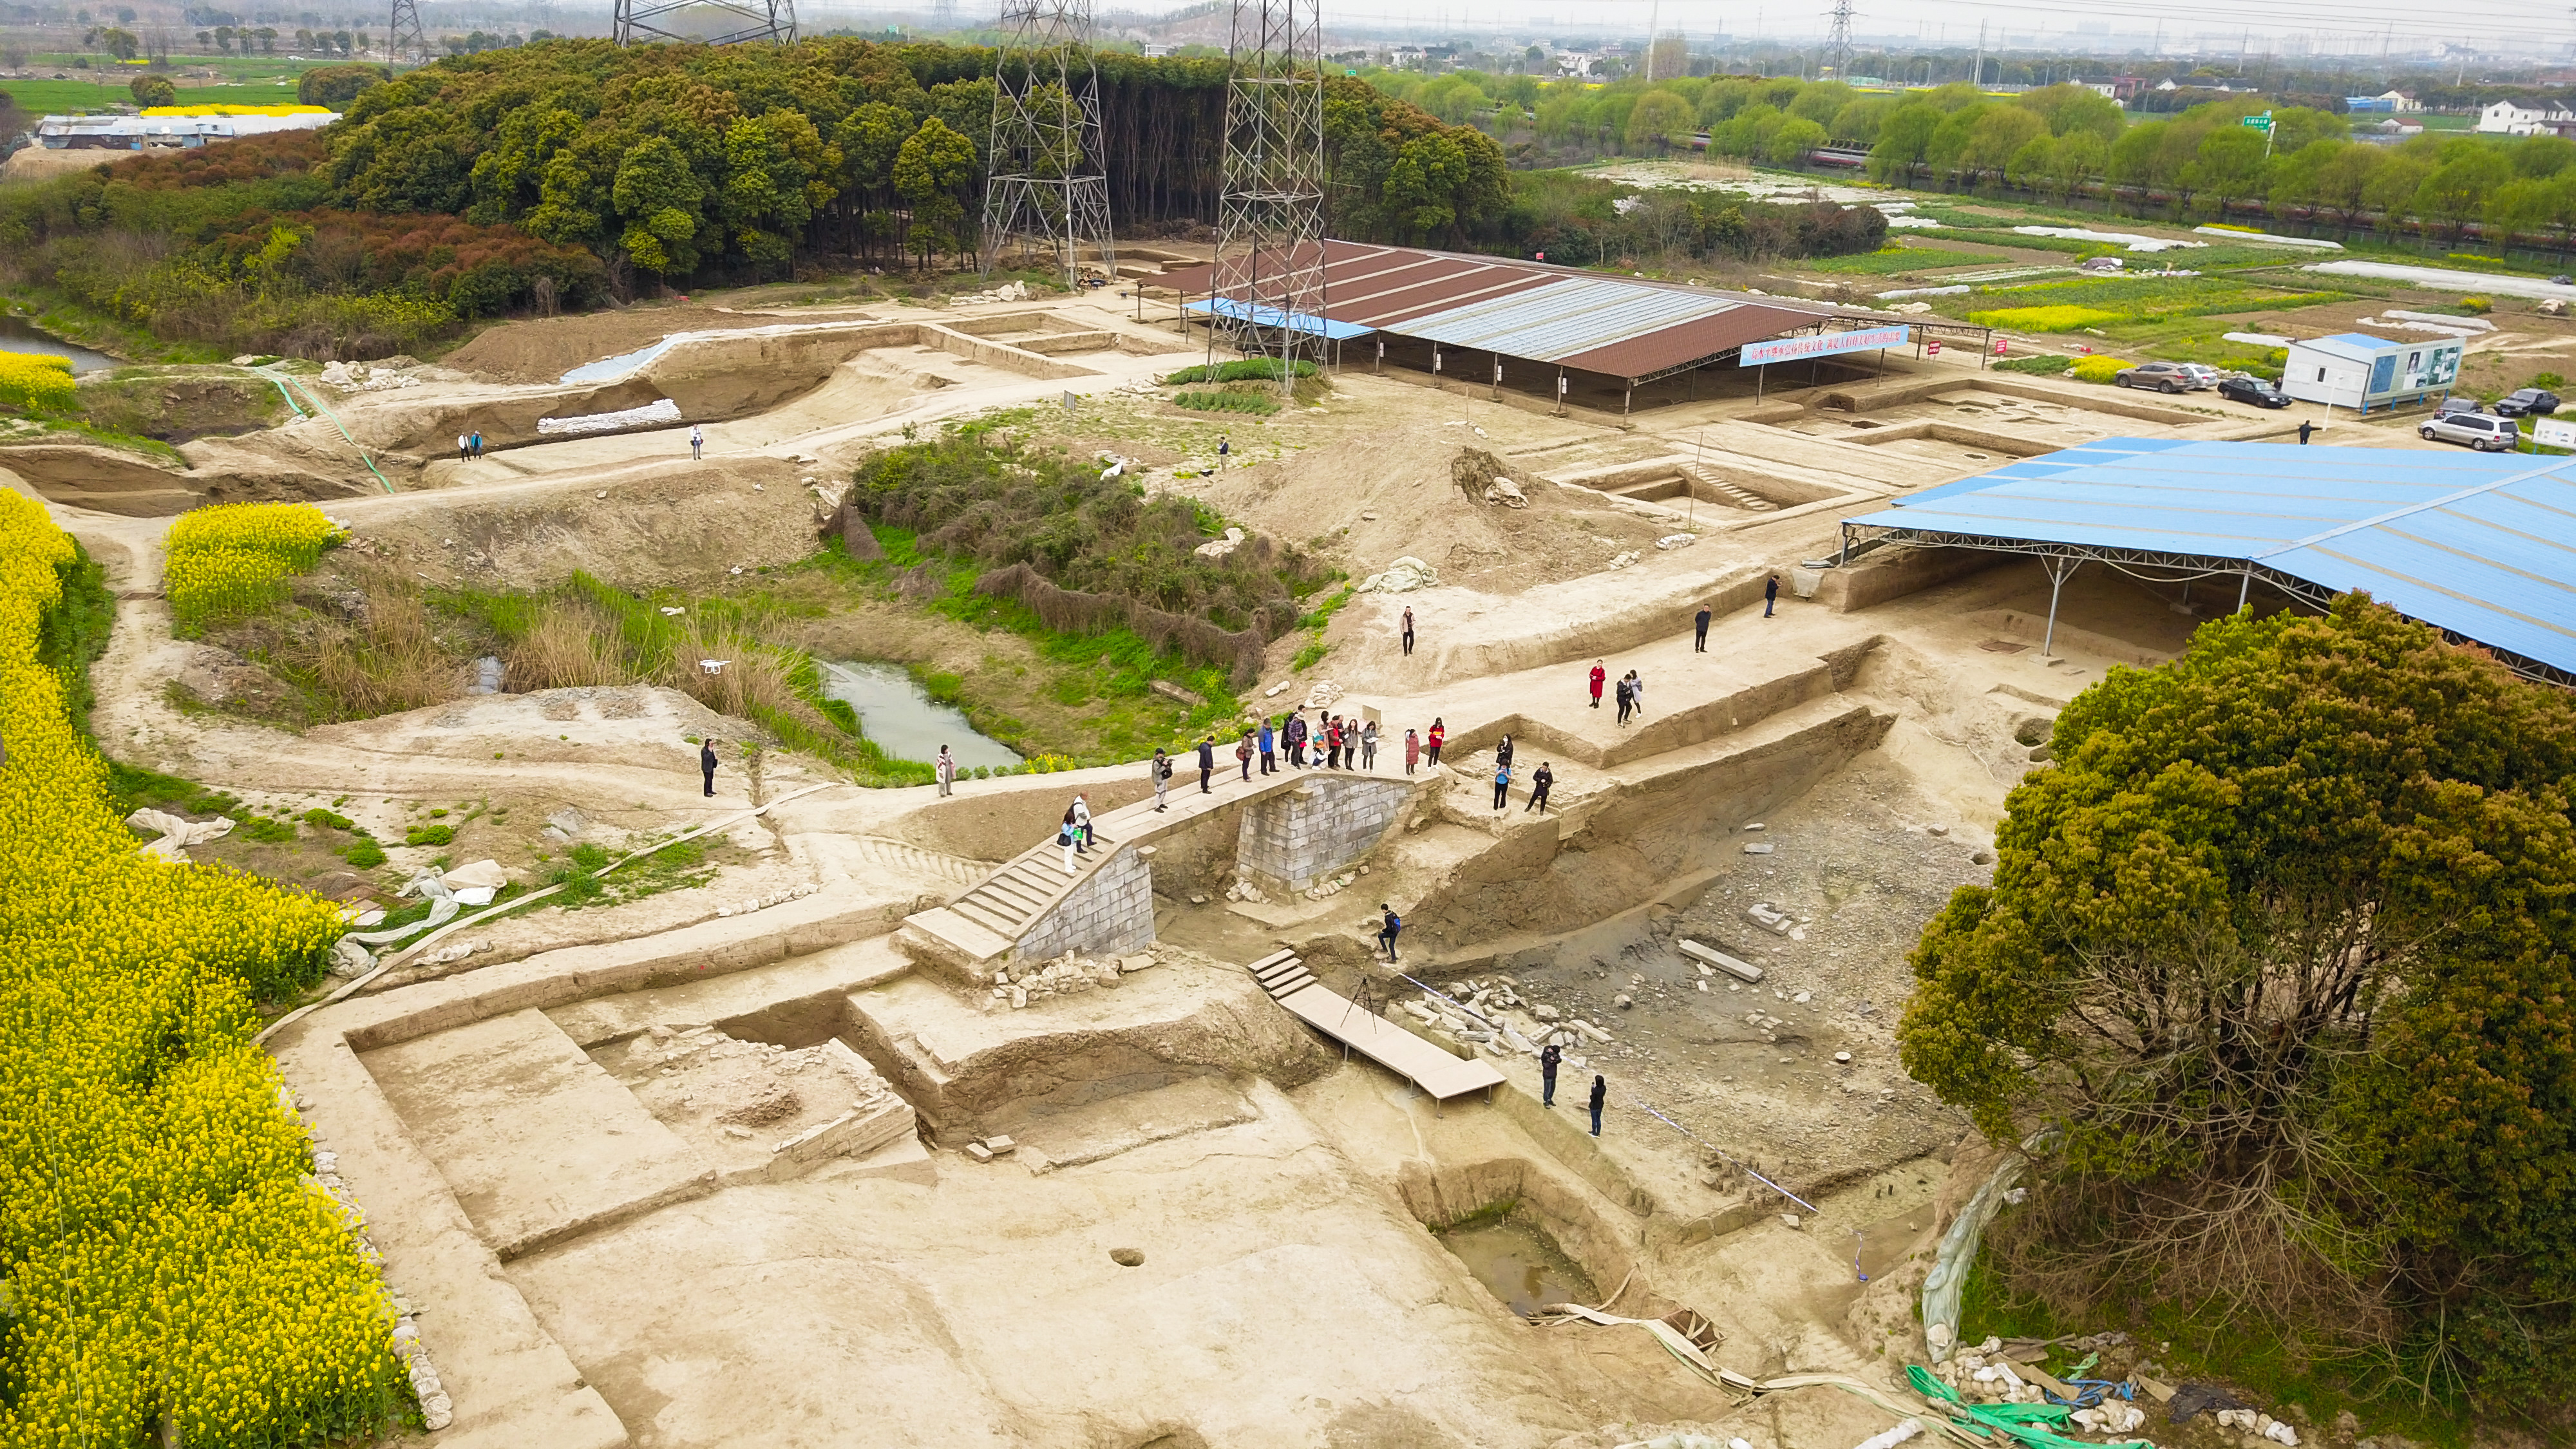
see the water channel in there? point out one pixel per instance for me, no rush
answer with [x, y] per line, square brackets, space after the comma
[20, 335]
[904, 721]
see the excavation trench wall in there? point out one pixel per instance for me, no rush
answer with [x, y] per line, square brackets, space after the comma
[1439, 1196]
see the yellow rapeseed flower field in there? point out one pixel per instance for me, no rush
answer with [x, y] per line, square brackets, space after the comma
[232, 559]
[169, 1262]
[35, 379]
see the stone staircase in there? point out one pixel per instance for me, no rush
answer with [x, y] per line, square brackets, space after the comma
[897, 855]
[981, 926]
[1281, 974]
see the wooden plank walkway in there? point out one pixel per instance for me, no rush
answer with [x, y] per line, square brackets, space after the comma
[1437, 1073]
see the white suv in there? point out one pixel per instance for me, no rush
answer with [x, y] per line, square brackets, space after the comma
[2202, 374]
[2479, 430]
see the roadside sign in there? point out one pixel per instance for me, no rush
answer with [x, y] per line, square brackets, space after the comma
[2553, 432]
[1933, 347]
[2262, 122]
[1999, 347]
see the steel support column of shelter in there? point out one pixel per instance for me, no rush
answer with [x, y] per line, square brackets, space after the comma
[2060, 569]
[1047, 191]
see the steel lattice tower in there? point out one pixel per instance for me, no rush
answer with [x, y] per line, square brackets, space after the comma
[642, 21]
[1838, 40]
[405, 35]
[1047, 191]
[1269, 275]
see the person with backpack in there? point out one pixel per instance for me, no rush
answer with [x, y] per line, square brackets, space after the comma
[1160, 772]
[1066, 834]
[1538, 789]
[1082, 825]
[1389, 926]
[1548, 1057]
[1243, 754]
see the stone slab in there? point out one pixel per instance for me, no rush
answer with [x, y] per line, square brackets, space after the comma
[489, 1101]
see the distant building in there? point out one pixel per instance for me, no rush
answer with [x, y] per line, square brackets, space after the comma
[2356, 370]
[2509, 118]
[2388, 130]
[165, 133]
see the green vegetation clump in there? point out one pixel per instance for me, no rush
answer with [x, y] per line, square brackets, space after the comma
[1245, 369]
[1258, 403]
[2046, 364]
[2273, 977]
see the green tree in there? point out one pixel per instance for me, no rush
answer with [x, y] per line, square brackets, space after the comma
[2278, 972]
[1791, 143]
[1904, 141]
[931, 172]
[660, 200]
[2456, 191]
[335, 86]
[153, 90]
[115, 41]
[2069, 109]
[1661, 122]
[2227, 166]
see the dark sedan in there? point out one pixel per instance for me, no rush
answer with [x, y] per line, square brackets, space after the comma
[2253, 390]
[2530, 400]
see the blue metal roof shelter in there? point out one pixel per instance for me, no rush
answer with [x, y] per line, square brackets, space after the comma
[2480, 546]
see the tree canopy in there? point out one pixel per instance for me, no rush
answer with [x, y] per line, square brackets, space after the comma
[2279, 967]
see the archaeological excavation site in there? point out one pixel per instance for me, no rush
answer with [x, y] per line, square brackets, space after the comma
[706, 1070]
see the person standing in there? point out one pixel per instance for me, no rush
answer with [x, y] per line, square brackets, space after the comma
[1502, 785]
[1503, 751]
[2305, 428]
[1269, 759]
[1333, 742]
[707, 765]
[1636, 694]
[1538, 789]
[1408, 611]
[478, 442]
[1224, 446]
[1368, 745]
[1598, 675]
[1438, 733]
[1623, 700]
[1243, 755]
[1548, 1057]
[1389, 925]
[1600, 1094]
[1207, 763]
[1068, 835]
[945, 767]
[1412, 749]
[697, 441]
[464, 449]
[1699, 641]
[1770, 595]
[1160, 772]
[1296, 733]
[1081, 825]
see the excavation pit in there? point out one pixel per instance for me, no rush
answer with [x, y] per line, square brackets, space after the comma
[1518, 1263]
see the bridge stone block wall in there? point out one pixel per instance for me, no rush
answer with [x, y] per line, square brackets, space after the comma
[1291, 841]
[1111, 911]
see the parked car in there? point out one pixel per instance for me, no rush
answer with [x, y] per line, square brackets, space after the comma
[2166, 376]
[2477, 430]
[2253, 390]
[2536, 401]
[2452, 406]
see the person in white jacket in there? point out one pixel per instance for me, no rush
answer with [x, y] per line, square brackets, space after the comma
[946, 767]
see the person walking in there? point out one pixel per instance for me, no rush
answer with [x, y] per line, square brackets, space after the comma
[1412, 749]
[1082, 825]
[1243, 755]
[697, 441]
[1699, 641]
[2305, 428]
[1438, 733]
[1636, 694]
[1502, 785]
[707, 765]
[1389, 925]
[1160, 772]
[1538, 789]
[1770, 595]
[1598, 675]
[1068, 835]
[1207, 763]
[1269, 760]
[1548, 1058]
[1600, 1094]
[1503, 751]
[1224, 445]
[945, 767]
[1623, 701]
[1408, 609]
[1368, 745]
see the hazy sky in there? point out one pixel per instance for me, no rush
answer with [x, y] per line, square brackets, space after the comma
[2541, 31]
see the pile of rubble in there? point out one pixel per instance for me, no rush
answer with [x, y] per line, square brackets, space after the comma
[360, 377]
[1490, 1014]
[1007, 292]
[1067, 975]
[762, 903]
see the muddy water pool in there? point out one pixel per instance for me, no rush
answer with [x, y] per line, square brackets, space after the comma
[904, 721]
[1519, 1264]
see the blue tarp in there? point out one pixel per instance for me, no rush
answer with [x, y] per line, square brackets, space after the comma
[1323, 327]
[2480, 544]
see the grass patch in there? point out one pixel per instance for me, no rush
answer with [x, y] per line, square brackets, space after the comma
[2060, 318]
[1897, 259]
[73, 634]
[2044, 365]
[1260, 404]
[1248, 369]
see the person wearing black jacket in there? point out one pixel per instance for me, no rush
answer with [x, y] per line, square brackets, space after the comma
[707, 766]
[1389, 926]
[1207, 763]
[1548, 1057]
[1538, 789]
[1600, 1094]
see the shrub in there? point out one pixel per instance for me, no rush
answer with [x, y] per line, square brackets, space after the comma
[2047, 364]
[2098, 368]
[2063, 318]
[36, 380]
[430, 835]
[364, 852]
[1247, 369]
[336, 85]
[2548, 380]
[2478, 306]
[152, 90]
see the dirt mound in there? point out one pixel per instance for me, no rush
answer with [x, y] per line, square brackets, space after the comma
[1421, 494]
[81, 475]
[661, 524]
[544, 349]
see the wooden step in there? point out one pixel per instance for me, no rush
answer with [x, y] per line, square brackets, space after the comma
[1272, 973]
[1283, 989]
[1273, 959]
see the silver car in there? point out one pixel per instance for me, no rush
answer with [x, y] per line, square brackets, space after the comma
[2478, 430]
